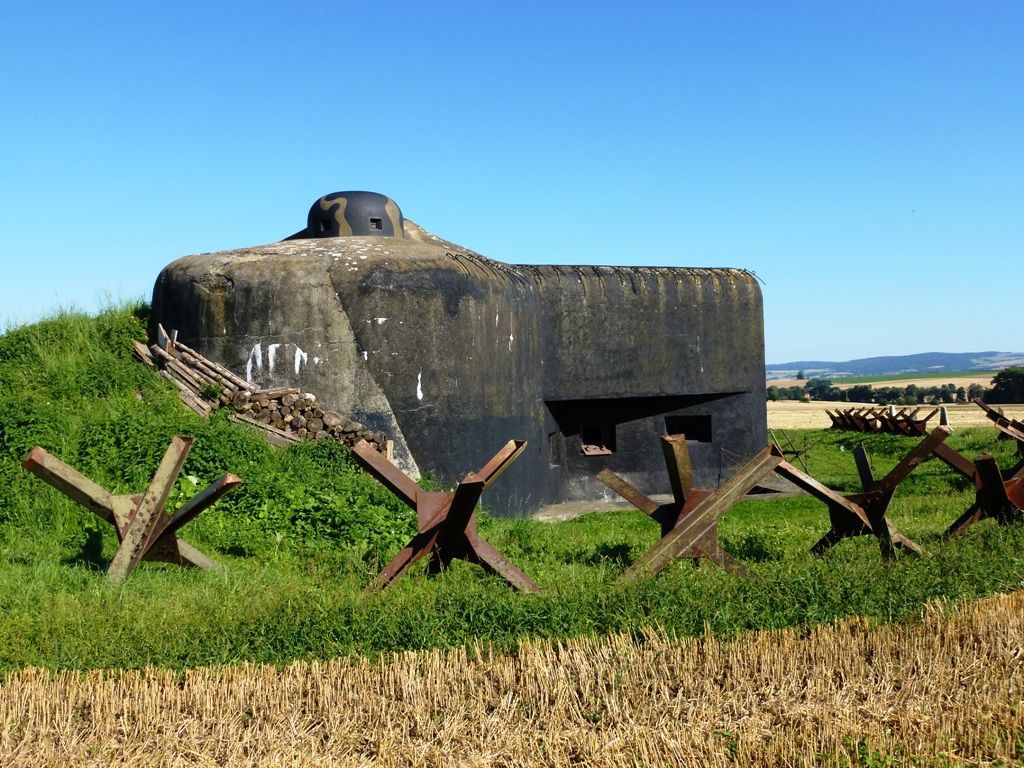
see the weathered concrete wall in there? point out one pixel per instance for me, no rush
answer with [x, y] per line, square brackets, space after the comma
[453, 354]
[636, 347]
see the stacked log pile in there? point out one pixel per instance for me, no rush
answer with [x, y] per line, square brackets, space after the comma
[284, 415]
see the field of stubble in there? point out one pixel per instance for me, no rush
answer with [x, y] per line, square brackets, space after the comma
[947, 689]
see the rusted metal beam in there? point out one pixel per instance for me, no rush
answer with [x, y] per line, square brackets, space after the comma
[702, 518]
[1012, 428]
[821, 492]
[628, 492]
[955, 460]
[501, 461]
[70, 482]
[139, 536]
[463, 504]
[860, 457]
[677, 461]
[390, 476]
[912, 460]
[421, 545]
[201, 501]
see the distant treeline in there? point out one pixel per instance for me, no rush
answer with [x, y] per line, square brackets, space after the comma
[1007, 387]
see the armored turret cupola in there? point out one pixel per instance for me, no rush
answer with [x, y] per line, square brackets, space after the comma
[345, 214]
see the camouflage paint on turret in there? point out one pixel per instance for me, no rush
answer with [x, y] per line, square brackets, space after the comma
[349, 214]
[452, 353]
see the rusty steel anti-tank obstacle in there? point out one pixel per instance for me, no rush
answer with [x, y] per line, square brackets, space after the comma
[998, 493]
[866, 513]
[145, 529]
[1010, 429]
[882, 419]
[689, 523]
[446, 521]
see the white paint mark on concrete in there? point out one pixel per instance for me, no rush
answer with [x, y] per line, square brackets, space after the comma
[316, 360]
[495, 319]
[255, 356]
[271, 355]
[366, 354]
[419, 385]
[380, 320]
[510, 340]
[300, 359]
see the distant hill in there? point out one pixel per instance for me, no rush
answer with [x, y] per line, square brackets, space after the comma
[923, 362]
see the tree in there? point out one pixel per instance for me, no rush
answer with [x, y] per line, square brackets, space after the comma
[861, 393]
[1007, 386]
[911, 394]
[975, 391]
[822, 389]
[800, 376]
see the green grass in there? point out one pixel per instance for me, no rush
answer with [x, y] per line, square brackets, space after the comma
[308, 530]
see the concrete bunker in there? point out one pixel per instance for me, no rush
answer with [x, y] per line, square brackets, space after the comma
[451, 353]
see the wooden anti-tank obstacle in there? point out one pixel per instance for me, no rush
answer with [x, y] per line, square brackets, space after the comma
[145, 530]
[689, 523]
[446, 522]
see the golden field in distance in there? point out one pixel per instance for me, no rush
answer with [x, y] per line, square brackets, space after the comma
[984, 380]
[792, 414]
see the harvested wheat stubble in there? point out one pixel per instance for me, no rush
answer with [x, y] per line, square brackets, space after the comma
[948, 687]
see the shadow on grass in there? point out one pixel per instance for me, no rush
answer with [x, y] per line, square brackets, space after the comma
[619, 555]
[90, 555]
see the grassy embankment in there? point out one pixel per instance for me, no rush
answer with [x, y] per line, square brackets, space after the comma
[307, 531]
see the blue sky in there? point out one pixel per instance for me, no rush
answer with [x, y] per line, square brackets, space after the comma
[866, 160]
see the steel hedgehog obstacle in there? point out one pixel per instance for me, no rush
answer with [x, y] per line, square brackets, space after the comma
[449, 352]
